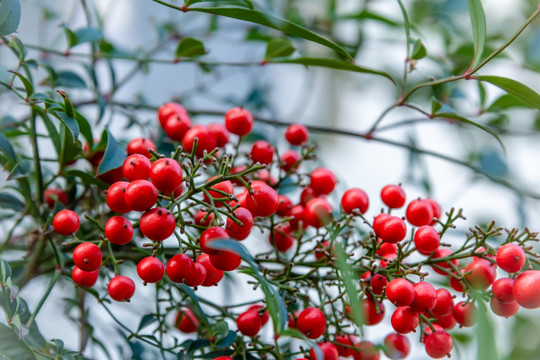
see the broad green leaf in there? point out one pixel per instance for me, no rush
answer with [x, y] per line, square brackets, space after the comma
[276, 23]
[8, 201]
[279, 48]
[349, 280]
[88, 34]
[505, 102]
[478, 22]
[189, 47]
[114, 155]
[85, 177]
[6, 148]
[485, 334]
[28, 87]
[69, 122]
[11, 348]
[514, 88]
[333, 64]
[10, 16]
[69, 79]
[228, 340]
[419, 50]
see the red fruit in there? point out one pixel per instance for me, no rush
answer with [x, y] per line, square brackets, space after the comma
[393, 196]
[400, 292]
[439, 344]
[318, 213]
[504, 309]
[150, 269]
[116, 197]
[166, 175]
[197, 277]
[263, 315]
[141, 146]
[436, 208]
[84, 279]
[446, 322]
[136, 167]
[426, 239]
[349, 341]
[281, 238]
[60, 195]
[87, 256]
[223, 186]
[311, 322]
[322, 250]
[404, 320]
[372, 315]
[511, 257]
[393, 230]
[169, 109]
[213, 275]
[176, 126]
[323, 181]
[365, 350]
[482, 274]
[141, 195]
[180, 268]
[157, 224]
[264, 201]
[379, 221]
[186, 321]
[223, 358]
[419, 213]
[289, 160]
[355, 199]
[378, 282]
[445, 303]
[443, 253]
[242, 200]
[226, 260]
[236, 231]
[396, 346]
[206, 141]
[119, 230]
[121, 288]
[327, 351]
[239, 121]
[465, 313]
[220, 133]
[307, 195]
[66, 222]
[297, 212]
[387, 250]
[296, 134]
[503, 290]
[527, 289]
[262, 152]
[455, 283]
[425, 297]
[200, 218]
[249, 323]
[284, 206]
[208, 235]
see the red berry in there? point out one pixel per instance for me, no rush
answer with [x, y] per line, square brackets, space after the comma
[425, 297]
[404, 320]
[150, 269]
[456, 283]
[443, 253]
[141, 146]
[481, 274]
[504, 309]
[216, 192]
[436, 208]
[197, 277]
[447, 322]
[179, 268]
[249, 323]
[318, 213]
[169, 109]
[281, 238]
[136, 167]
[355, 199]
[445, 303]
[393, 230]
[527, 289]
[116, 197]
[66, 222]
[186, 321]
[176, 126]
[119, 230]
[419, 213]
[396, 346]
[166, 175]
[236, 231]
[220, 133]
[223, 358]
[323, 181]
[262, 152]
[379, 221]
[378, 282]
[365, 350]
[284, 207]
[465, 313]
[311, 322]
[511, 258]
[226, 260]
[349, 341]
[263, 315]
[87, 256]
[157, 224]
[121, 288]
[439, 344]
[503, 290]
[202, 220]
[208, 235]
[297, 222]
[141, 195]
[84, 279]
[264, 201]
[400, 292]
[296, 134]
[239, 121]
[393, 196]
[289, 160]
[322, 250]
[372, 313]
[426, 239]
[213, 275]
[206, 140]
[48, 195]
[327, 351]
[307, 195]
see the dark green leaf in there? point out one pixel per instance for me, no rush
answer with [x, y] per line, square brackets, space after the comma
[279, 48]
[6, 148]
[69, 122]
[88, 34]
[189, 47]
[369, 15]
[145, 321]
[220, 329]
[85, 177]
[70, 80]
[195, 301]
[51, 129]
[85, 128]
[28, 87]
[505, 102]
[198, 344]
[11, 348]
[436, 105]
[8, 201]
[514, 88]
[486, 345]
[257, 34]
[70, 36]
[10, 16]
[114, 155]
[349, 280]
[478, 22]
[419, 50]
[228, 340]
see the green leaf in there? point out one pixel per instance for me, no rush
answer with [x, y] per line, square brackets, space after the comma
[276, 23]
[279, 48]
[18, 48]
[228, 340]
[51, 129]
[189, 47]
[419, 50]
[114, 155]
[28, 87]
[11, 348]
[84, 127]
[349, 280]
[220, 329]
[70, 80]
[486, 345]
[333, 64]
[369, 15]
[514, 88]
[6, 148]
[146, 320]
[195, 301]
[88, 34]
[85, 177]
[10, 16]
[246, 3]
[70, 36]
[505, 102]
[8, 201]
[69, 122]
[478, 22]
[436, 105]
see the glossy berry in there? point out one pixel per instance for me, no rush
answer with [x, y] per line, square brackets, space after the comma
[66, 222]
[379, 221]
[237, 231]
[197, 276]
[289, 160]
[393, 230]
[116, 197]
[157, 224]
[419, 213]
[349, 341]
[263, 315]
[404, 320]
[425, 297]
[208, 235]
[223, 358]
[445, 303]
[167, 110]
[166, 175]
[503, 290]
[87, 256]
[465, 313]
[396, 346]
[220, 133]
[206, 140]
[439, 344]
[213, 275]
[311, 322]
[511, 257]
[504, 309]
[296, 134]
[393, 196]
[400, 292]
[136, 167]
[527, 289]
[281, 238]
[176, 126]
[262, 152]
[447, 322]
[150, 269]
[202, 218]
[141, 146]
[284, 207]
[264, 201]
[318, 213]
[186, 321]
[216, 192]
[49, 193]
[297, 221]
[426, 239]
[121, 288]
[372, 313]
[249, 323]
[141, 195]
[436, 208]
[323, 181]
[225, 260]
[119, 230]
[84, 279]
[378, 283]
[481, 274]
[443, 253]
[355, 199]
[327, 350]
[307, 195]
[239, 121]
[365, 350]
[179, 268]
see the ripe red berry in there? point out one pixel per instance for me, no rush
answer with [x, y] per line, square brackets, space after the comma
[84, 279]
[121, 288]
[379, 221]
[511, 257]
[441, 253]
[311, 322]
[186, 321]
[355, 199]
[419, 213]
[503, 290]
[249, 323]
[400, 292]
[504, 309]
[264, 201]
[239, 121]
[465, 313]
[323, 181]
[284, 207]
[281, 238]
[378, 283]
[208, 235]
[223, 358]
[426, 239]
[393, 230]
[527, 289]
[393, 196]
[49, 193]
[404, 320]
[179, 268]
[307, 195]
[445, 303]
[169, 109]
[396, 346]
[289, 160]
[318, 213]
[262, 152]
[436, 208]
[296, 134]
[206, 140]
[216, 192]
[447, 322]
[197, 277]
[119, 230]
[136, 167]
[220, 133]
[116, 197]
[150, 269]
[141, 195]
[481, 274]
[439, 344]
[349, 341]
[157, 224]
[236, 231]
[225, 260]
[141, 146]
[213, 275]
[166, 175]
[372, 313]
[366, 350]
[297, 221]
[327, 351]
[202, 219]
[425, 297]
[66, 222]
[176, 126]
[87, 256]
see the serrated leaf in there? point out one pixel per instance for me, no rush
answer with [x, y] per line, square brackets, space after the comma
[28, 87]
[11, 347]
[279, 48]
[10, 16]
[8, 201]
[70, 123]
[514, 88]
[418, 50]
[189, 47]
[478, 22]
[114, 155]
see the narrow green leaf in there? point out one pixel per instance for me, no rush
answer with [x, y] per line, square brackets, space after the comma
[8, 201]
[10, 16]
[70, 36]
[228, 340]
[195, 301]
[11, 347]
[279, 48]
[369, 15]
[17, 47]
[114, 155]
[85, 177]
[69, 79]
[436, 105]
[478, 22]
[486, 345]
[419, 50]
[505, 102]
[349, 280]
[28, 87]
[84, 127]
[51, 129]
[276, 23]
[514, 88]
[6, 148]
[146, 320]
[246, 3]
[189, 47]
[88, 34]
[69, 122]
